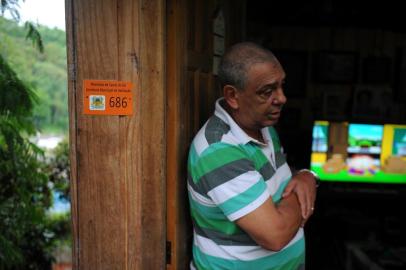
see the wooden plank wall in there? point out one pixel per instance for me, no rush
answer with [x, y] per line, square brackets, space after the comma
[191, 94]
[118, 162]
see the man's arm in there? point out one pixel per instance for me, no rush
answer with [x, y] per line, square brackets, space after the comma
[303, 184]
[273, 226]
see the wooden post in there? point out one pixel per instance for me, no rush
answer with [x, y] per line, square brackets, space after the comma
[118, 162]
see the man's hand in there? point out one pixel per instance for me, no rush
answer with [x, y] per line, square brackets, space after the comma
[304, 185]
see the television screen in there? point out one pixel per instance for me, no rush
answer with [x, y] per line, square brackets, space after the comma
[372, 153]
[399, 141]
[364, 149]
[364, 139]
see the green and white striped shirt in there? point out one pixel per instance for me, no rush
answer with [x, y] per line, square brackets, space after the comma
[230, 175]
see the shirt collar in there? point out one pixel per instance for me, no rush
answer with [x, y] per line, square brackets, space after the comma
[235, 129]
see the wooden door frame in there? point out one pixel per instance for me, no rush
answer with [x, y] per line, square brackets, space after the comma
[118, 163]
[179, 58]
[175, 78]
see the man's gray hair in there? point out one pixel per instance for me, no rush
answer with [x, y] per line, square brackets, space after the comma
[237, 60]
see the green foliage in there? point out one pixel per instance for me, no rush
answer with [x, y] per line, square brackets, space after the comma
[34, 35]
[59, 171]
[44, 72]
[59, 224]
[28, 233]
[16, 99]
[24, 191]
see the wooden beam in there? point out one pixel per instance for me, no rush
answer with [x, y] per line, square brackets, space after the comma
[118, 162]
[176, 47]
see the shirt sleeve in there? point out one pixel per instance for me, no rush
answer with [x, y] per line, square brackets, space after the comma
[232, 183]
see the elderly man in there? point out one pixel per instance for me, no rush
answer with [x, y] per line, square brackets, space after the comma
[247, 209]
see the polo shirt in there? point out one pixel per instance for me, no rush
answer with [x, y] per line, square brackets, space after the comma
[230, 175]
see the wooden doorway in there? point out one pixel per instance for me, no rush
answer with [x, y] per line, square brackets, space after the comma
[193, 47]
[117, 164]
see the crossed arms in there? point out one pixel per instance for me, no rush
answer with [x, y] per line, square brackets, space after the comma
[271, 225]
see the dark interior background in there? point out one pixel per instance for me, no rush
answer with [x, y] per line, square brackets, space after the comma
[355, 226]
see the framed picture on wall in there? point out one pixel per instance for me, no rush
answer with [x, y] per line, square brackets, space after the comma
[400, 79]
[371, 103]
[336, 102]
[335, 67]
[295, 65]
[376, 69]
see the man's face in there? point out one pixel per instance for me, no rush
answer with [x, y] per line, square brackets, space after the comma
[261, 102]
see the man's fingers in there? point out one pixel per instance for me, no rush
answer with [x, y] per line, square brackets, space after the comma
[304, 211]
[306, 194]
[288, 190]
[303, 203]
[303, 222]
[310, 204]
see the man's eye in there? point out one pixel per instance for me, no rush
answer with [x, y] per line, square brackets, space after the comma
[267, 92]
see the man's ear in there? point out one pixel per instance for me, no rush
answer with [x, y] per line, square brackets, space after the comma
[231, 96]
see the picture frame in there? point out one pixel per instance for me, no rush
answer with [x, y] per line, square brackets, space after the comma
[295, 65]
[336, 102]
[376, 69]
[335, 67]
[400, 80]
[371, 103]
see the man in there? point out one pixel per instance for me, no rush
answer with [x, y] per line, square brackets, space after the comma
[247, 209]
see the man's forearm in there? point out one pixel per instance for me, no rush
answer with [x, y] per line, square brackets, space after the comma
[273, 226]
[291, 218]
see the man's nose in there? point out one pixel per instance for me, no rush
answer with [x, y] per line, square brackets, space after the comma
[279, 98]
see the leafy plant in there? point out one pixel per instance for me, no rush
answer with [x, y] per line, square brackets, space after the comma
[28, 232]
[45, 72]
[24, 191]
[59, 171]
